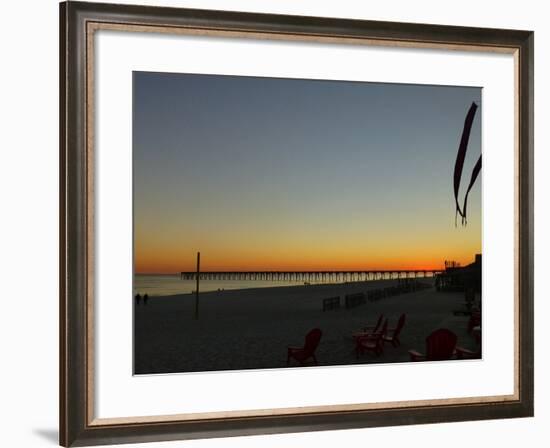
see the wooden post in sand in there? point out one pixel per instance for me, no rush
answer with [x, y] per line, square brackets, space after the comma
[197, 289]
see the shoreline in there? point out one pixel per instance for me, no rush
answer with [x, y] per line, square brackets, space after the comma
[252, 328]
[365, 285]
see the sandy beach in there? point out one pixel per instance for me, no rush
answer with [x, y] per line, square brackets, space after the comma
[251, 328]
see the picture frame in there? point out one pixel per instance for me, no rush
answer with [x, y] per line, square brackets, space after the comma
[78, 389]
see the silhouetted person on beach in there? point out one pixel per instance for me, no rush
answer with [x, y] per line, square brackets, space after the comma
[138, 298]
[145, 299]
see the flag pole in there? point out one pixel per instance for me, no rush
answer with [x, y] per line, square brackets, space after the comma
[197, 288]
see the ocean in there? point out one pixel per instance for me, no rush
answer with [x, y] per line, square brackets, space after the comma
[164, 285]
[171, 284]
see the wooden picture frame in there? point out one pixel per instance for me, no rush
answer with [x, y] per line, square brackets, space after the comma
[78, 22]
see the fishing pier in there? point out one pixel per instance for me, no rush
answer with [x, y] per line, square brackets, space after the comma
[310, 276]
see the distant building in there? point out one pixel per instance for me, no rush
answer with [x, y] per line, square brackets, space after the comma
[461, 278]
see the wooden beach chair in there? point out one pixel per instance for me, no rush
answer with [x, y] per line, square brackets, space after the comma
[392, 335]
[302, 354]
[331, 303]
[374, 328]
[372, 342]
[475, 320]
[464, 353]
[354, 300]
[440, 345]
[369, 329]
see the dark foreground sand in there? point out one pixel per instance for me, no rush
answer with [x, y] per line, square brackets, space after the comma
[251, 328]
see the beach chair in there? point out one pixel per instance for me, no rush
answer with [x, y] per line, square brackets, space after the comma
[302, 354]
[331, 303]
[464, 353]
[354, 300]
[372, 342]
[392, 335]
[440, 345]
[474, 321]
[370, 328]
[374, 328]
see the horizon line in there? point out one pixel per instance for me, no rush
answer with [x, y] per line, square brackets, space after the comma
[295, 271]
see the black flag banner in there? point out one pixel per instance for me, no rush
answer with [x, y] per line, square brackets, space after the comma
[459, 164]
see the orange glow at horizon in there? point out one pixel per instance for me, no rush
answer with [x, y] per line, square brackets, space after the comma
[346, 256]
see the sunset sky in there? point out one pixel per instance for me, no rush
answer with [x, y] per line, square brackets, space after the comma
[281, 174]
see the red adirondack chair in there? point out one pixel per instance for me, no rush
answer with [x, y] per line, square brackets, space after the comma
[440, 345]
[464, 353]
[370, 329]
[374, 329]
[372, 342]
[302, 354]
[474, 321]
[392, 335]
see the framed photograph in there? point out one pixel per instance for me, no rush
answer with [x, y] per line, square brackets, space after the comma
[277, 224]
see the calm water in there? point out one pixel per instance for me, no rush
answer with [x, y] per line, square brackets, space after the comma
[163, 285]
[166, 285]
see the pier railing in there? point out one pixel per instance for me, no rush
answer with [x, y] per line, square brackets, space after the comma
[310, 276]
